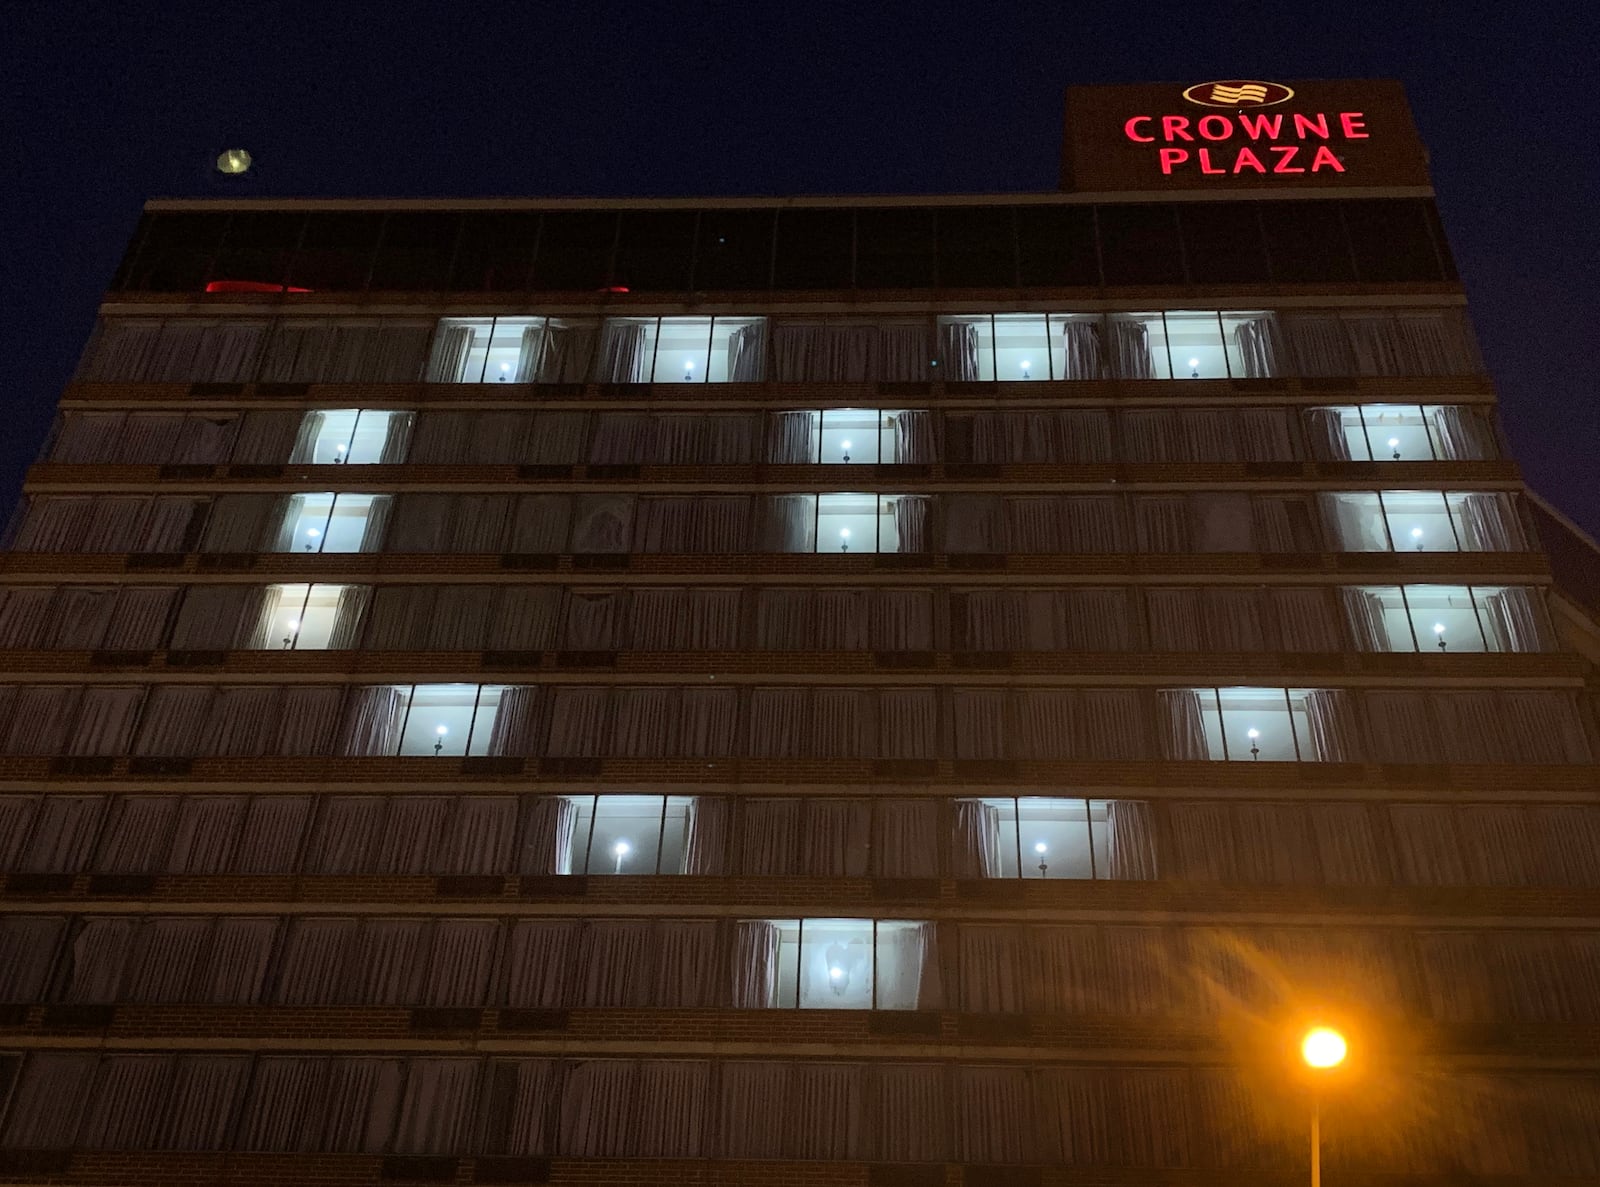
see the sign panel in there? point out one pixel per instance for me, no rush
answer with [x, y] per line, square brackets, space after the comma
[1241, 133]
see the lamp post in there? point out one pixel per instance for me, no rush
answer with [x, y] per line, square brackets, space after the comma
[1323, 1048]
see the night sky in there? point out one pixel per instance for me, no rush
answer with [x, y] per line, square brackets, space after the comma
[106, 104]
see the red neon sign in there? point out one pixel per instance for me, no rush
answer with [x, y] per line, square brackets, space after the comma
[250, 286]
[1218, 144]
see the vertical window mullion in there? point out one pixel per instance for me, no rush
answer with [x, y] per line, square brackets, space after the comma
[1227, 368]
[594, 820]
[661, 833]
[1450, 517]
[1405, 608]
[327, 522]
[472, 722]
[1016, 833]
[1477, 614]
[405, 720]
[1294, 734]
[1433, 450]
[1088, 824]
[799, 959]
[294, 635]
[1383, 517]
[655, 352]
[872, 1000]
[1222, 723]
[1366, 430]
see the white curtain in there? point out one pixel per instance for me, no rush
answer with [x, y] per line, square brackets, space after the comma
[914, 441]
[976, 850]
[789, 523]
[451, 345]
[1255, 339]
[624, 353]
[791, 437]
[373, 720]
[1514, 619]
[755, 965]
[1083, 339]
[958, 351]
[1488, 523]
[707, 836]
[1183, 735]
[747, 350]
[1464, 433]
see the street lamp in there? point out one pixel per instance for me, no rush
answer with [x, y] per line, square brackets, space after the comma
[1323, 1048]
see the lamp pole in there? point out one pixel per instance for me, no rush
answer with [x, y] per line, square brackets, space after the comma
[1323, 1048]
[1316, 1141]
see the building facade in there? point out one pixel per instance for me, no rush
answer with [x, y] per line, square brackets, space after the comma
[879, 691]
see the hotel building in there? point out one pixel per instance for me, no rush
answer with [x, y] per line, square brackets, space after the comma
[880, 691]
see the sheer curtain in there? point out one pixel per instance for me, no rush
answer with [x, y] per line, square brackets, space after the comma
[1464, 433]
[1131, 840]
[791, 438]
[958, 351]
[1514, 619]
[1488, 523]
[1083, 339]
[624, 357]
[451, 345]
[977, 840]
[1331, 719]
[914, 438]
[1256, 342]
[747, 351]
[755, 965]
[1363, 611]
[907, 967]
[516, 722]
[706, 844]
[1184, 736]
[911, 520]
[373, 720]
[789, 523]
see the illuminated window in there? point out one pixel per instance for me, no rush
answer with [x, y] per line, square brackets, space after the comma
[1256, 724]
[306, 617]
[326, 522]
[1446, 618]
[1043, 837]
[352, 435]
[848, 964]
[629, 834]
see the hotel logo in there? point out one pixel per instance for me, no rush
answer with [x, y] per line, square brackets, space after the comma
[1235, 92]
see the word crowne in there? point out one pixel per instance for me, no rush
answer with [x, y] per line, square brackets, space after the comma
[1219, 145]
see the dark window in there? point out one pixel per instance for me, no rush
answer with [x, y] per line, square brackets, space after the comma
[414, 254]
[1222, 243]
[1306, 243]
[1390, 239]
[575, 249]
[815, 249]
[1139, 245]
[734, 250]
[175, 252]
[653, 250]
[336, 253]
[495, 252]
[894, 248]
[977, 247]
[258, 246]
[1055, 246]
[127, 269]
[1441, 245]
